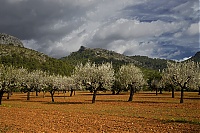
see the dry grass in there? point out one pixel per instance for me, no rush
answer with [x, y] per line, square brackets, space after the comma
[110, 113]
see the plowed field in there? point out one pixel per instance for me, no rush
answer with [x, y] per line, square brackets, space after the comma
[111, 113]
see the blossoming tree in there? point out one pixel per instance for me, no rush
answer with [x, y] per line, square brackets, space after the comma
[95, 76]
[182, 74]
[9, 79]
[132, 77]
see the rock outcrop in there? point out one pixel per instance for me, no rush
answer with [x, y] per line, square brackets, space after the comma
[10, 40]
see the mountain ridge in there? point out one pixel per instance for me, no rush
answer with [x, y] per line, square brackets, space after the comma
[31, 59]
[99, 55]
[10, 40]
[196, 57]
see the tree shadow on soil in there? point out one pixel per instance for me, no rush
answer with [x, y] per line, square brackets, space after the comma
[58, 96]
[108, 101]
[14, 99]
[103, 94]
[153, 97]
[193, 98]
[181, 121]
[153, 102]
[62, 103]
[30, 101]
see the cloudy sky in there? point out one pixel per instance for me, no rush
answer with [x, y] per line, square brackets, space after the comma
[156, 28]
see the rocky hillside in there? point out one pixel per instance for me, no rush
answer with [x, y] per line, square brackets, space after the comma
[14, 53]
[196, 57]
[98, 55]
[32, 60]
[10, 40]
[151, 63]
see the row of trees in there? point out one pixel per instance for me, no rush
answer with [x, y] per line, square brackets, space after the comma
[12, 79]
[185, 75]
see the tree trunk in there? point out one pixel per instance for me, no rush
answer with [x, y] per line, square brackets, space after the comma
[71, 92]
[119, 90]
[44, 94]
[172, 91]
[182, 90]
[131, 93]
[94, 96]
[8, 96]
[64, 94]
[113, 92]
[1, 96]
[156, 91]
[28, 95]
[161, 90]
[36, 93]
[52, 93]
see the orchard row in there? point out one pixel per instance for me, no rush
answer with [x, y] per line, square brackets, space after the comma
[93, 77]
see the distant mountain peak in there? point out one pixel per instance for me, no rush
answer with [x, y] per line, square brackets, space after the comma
[196, 57]
[10, 40]
[82, 48]
[197, 54]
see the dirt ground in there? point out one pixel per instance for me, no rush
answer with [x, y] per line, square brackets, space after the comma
[111, 113]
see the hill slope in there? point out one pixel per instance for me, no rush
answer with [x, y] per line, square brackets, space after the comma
[10, 40]
[98, 55]
[196, 57]
[14, 53]
[151, 63]
[32, 60]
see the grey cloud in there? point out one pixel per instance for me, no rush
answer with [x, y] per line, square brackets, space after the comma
[34, 19]
[169, 11]
[57, 27]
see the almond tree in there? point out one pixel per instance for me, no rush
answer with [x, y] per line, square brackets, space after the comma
[196, 80]
[153, 80]
[3, 82]
[51, 84]
[66, 83]
[182, 74]
[8, 79]
[63, 82]
[167, 81]
[155, 84]
[31, 81]
[70, 84]
[131, 76]
[95, 76]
